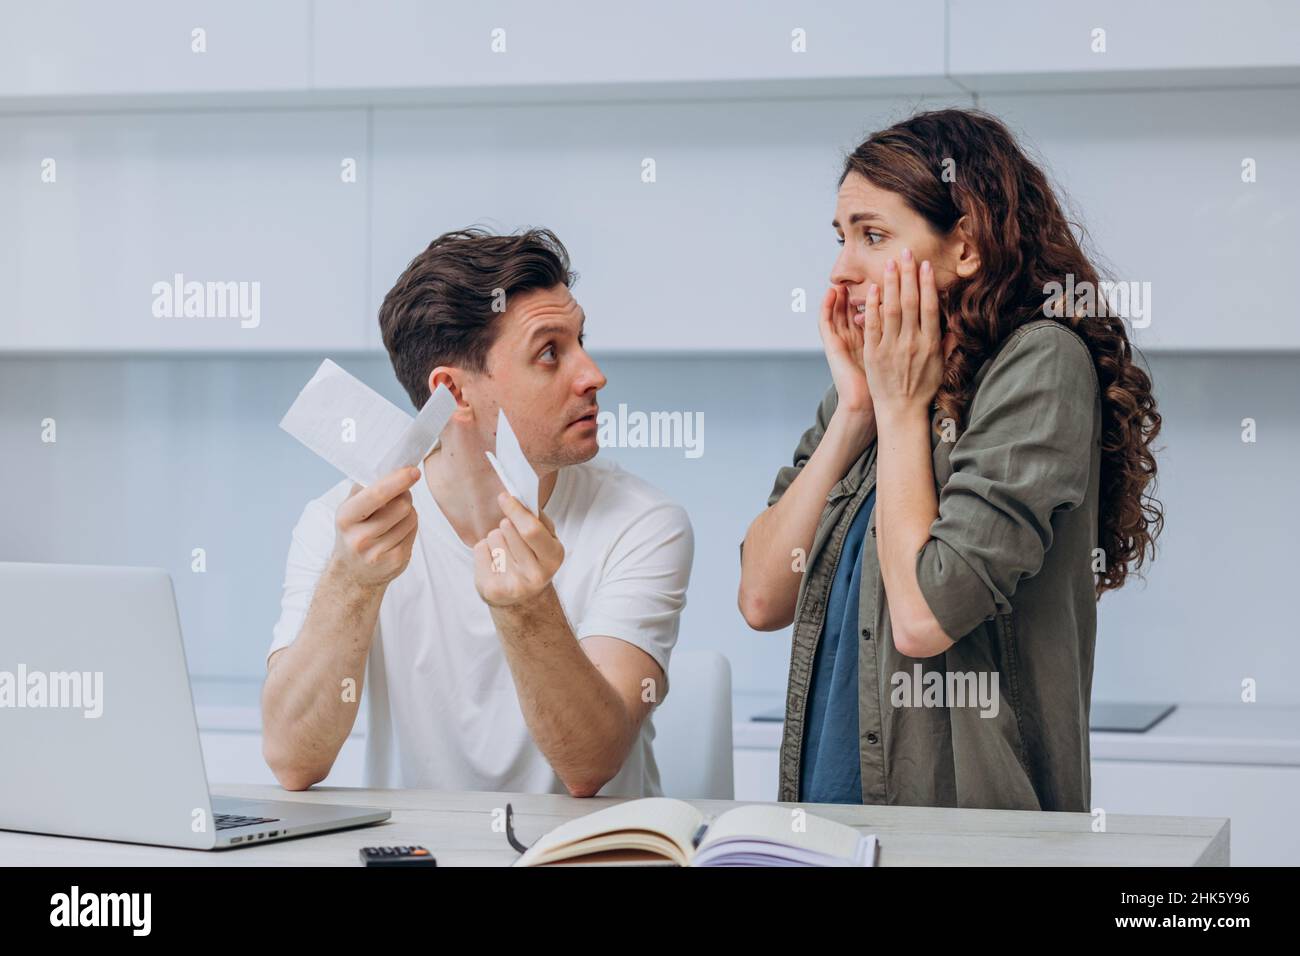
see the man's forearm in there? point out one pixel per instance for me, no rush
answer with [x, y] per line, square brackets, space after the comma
[575, 715]
[769, 579]
[310, 700]
[906, 507]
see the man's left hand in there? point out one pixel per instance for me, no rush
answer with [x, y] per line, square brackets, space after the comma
[515, 563]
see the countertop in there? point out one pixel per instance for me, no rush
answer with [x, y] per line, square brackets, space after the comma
[1193, 733]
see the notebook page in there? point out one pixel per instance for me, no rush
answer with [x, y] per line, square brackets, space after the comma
[676, 820]
[772, 824]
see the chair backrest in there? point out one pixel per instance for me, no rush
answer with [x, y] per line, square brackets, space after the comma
[693, 728]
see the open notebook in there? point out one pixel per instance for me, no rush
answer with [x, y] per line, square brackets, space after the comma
[665, 831]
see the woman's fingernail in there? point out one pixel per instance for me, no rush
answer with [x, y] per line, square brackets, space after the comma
[890, 266]
[925, 266]
[871, 290]
[907, 255]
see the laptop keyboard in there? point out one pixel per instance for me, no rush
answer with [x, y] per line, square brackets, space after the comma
[228, 821]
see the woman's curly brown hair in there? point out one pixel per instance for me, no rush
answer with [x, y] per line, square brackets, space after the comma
[951, 163]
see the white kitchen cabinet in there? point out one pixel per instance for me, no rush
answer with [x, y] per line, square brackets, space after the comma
[1031, 45]
[1260, 801]
[250, 209]
[698, 225]
[68, 48]
[95, 54]
[691, 225]
[601, 50]
[1158, 179]
[758, 772]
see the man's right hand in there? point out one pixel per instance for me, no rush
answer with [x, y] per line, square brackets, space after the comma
[375, 530]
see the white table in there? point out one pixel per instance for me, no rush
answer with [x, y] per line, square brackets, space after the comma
[458, 828]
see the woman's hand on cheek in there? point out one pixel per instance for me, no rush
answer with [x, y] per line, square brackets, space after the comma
[902, 348]
[842, 342]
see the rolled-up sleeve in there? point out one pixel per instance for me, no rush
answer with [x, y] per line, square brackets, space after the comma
[1025, 453]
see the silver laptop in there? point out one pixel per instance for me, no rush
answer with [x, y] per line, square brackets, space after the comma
[97, 726]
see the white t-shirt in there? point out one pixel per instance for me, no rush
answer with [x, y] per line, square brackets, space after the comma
[440, 701]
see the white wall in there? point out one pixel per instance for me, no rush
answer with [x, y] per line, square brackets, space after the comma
[157, 456]
[704, 258]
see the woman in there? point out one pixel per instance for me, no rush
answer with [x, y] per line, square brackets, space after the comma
[974, 480]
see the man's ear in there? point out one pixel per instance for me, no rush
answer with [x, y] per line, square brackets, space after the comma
[965, 252]
[452, 377]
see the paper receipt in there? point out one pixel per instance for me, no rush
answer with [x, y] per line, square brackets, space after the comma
[512, 467]
[360, 432]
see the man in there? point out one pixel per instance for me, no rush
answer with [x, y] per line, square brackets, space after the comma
[505, 651]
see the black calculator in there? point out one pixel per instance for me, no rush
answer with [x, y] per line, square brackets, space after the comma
[397, 856]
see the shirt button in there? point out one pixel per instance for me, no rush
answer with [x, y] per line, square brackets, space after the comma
[866, 633]
[872, 738]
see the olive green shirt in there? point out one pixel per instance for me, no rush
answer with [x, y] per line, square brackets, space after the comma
[1008, 572]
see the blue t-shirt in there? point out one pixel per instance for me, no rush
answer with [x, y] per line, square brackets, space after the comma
[830, 771]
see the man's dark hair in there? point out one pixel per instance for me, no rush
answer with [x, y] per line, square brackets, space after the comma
[440, 311]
